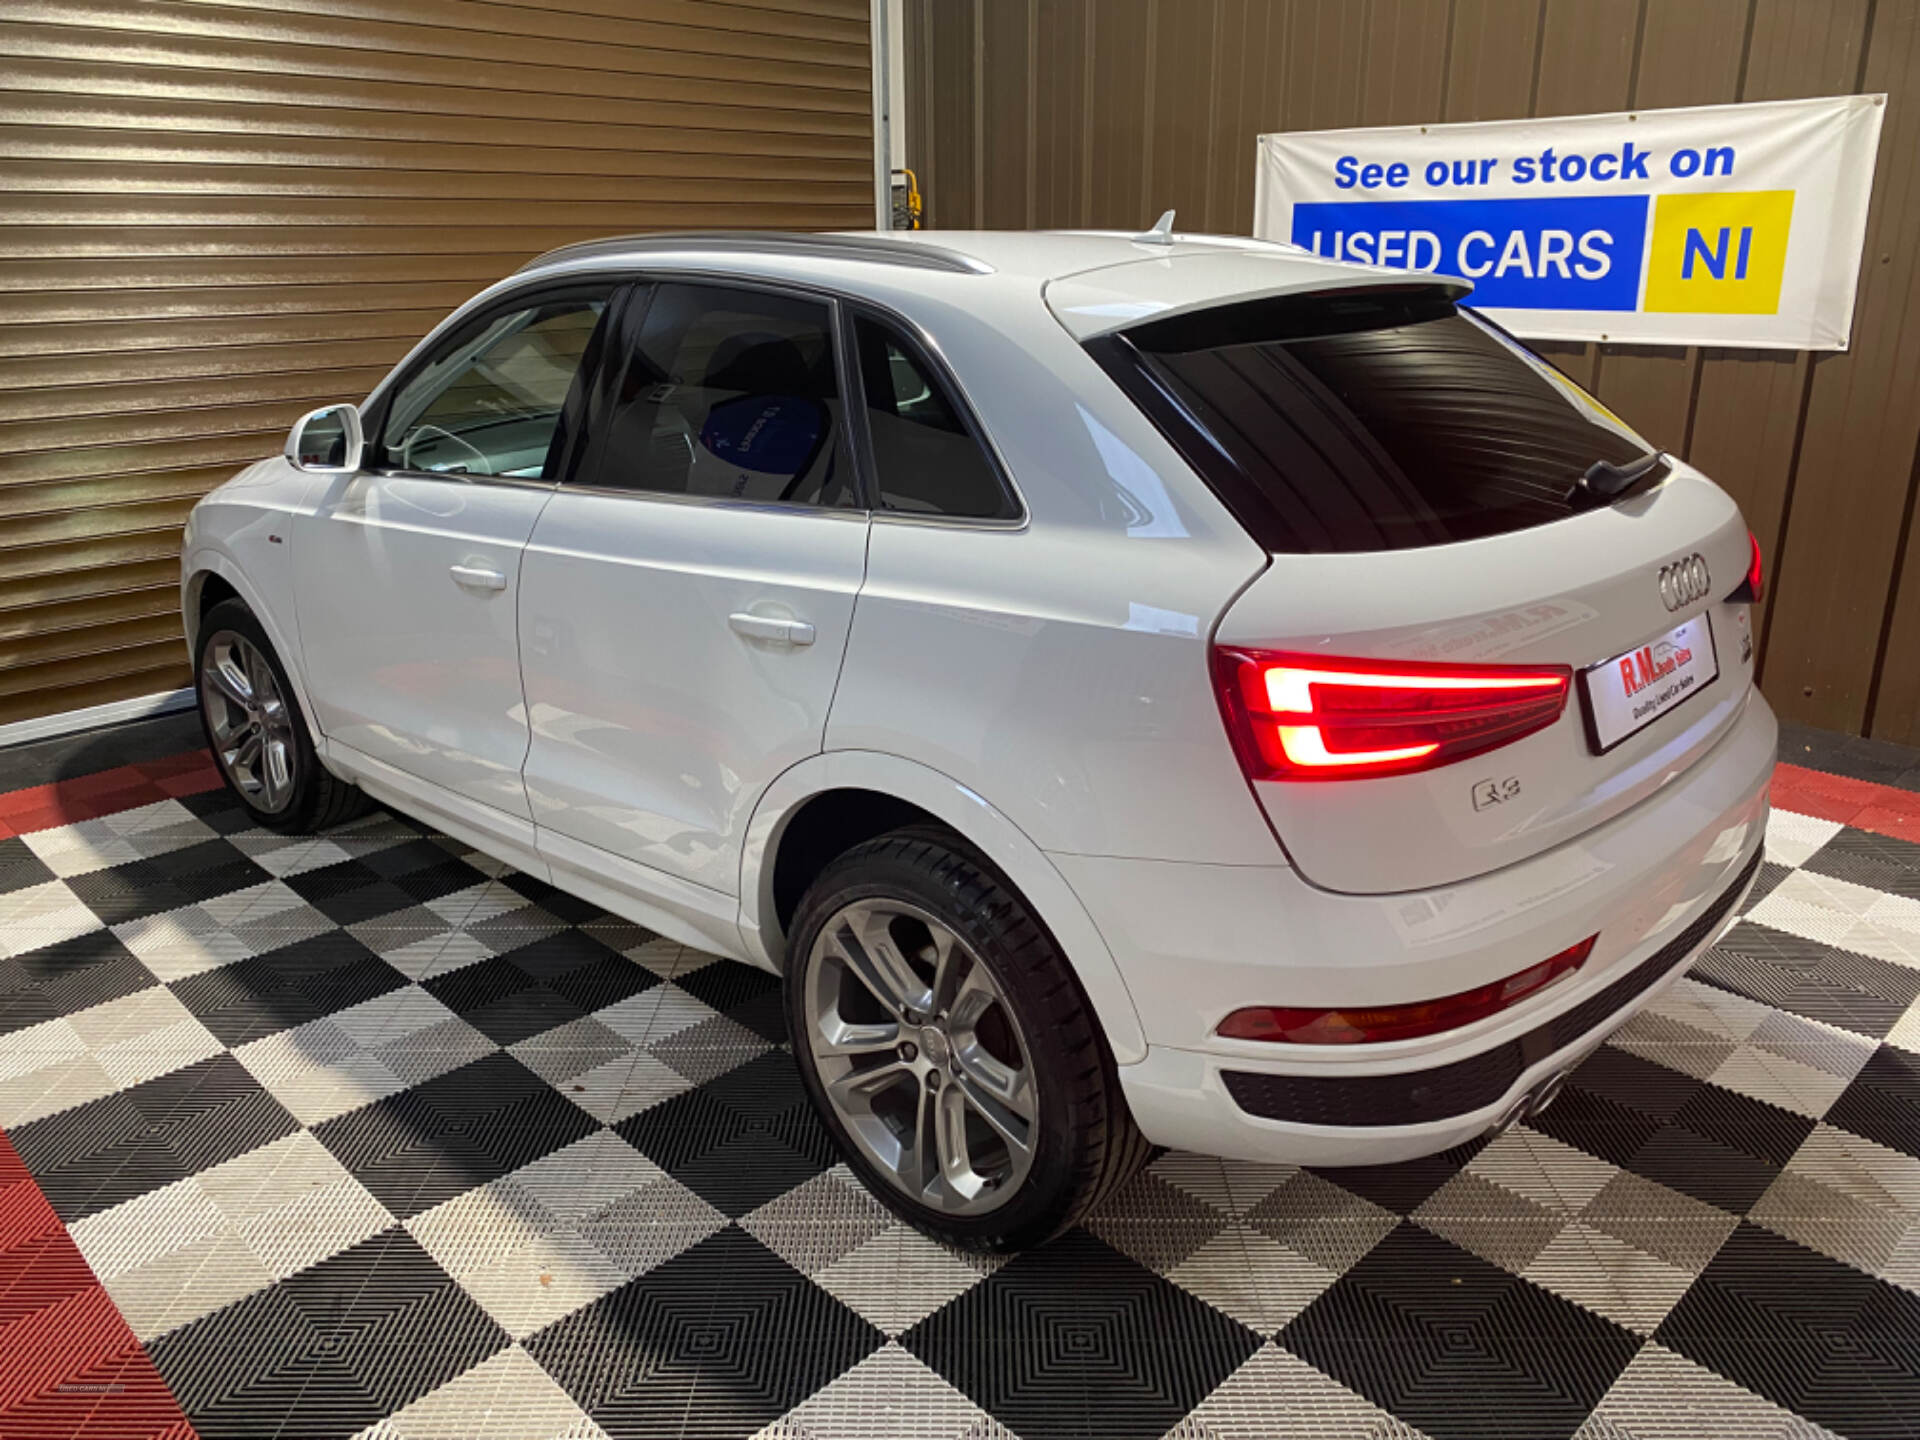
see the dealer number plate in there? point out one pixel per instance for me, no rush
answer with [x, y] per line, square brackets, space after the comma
[1631, 691]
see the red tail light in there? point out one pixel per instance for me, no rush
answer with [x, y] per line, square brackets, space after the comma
[1402, 1022]
[1756, 575]
[1301, 717]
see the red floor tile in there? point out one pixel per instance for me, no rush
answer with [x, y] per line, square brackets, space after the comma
[70, 1369]
[194, 762]
[1901, 824]
[65, 802]
[1829, 797]
[193, 782]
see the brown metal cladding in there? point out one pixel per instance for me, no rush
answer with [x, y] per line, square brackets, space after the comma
[218, 214]
[1138, 105]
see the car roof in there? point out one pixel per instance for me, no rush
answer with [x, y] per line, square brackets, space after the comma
[1093, 281]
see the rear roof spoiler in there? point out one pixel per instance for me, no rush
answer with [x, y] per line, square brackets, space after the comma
[1114, 297]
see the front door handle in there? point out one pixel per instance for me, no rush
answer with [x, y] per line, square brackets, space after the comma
[766, 627]
[477, 577]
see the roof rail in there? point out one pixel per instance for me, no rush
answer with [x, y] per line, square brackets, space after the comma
[880, 249]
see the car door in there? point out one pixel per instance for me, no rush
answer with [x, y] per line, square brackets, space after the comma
[687, 594]
[407, 573]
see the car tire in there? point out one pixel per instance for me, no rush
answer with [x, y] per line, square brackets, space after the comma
[975, 1072]
[279, 779]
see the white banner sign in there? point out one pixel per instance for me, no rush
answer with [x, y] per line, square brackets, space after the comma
[1718, 225]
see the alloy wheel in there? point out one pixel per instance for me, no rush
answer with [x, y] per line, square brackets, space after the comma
[921, 1057]
[248, 718]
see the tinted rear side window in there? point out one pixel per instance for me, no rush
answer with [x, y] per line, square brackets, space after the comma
[727, 394]
[926, 460]
[1374, 420]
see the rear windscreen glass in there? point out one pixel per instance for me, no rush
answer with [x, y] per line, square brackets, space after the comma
[1366, 420]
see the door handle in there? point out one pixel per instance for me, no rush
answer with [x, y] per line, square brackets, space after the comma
[766, 627]
[477, 577]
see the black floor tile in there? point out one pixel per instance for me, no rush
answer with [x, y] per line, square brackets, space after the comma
[552, 981]
[1880, 761]
[718, 1342]
[1076, 1339]
[1403, 1188]
[67, 977]
[588, 972]
[1878, 861]
[740, 1175]
[765, 1014]
[106, 1151]
[1765, 883]
[502, 1001]
[743, 993]
[1821, 982]
[453, 1133]
[166, 882]
[738, 1141]
[409, 857]
[219, 810]
[555, 901]
[20, 867]
[331, 1350]
[1807, 1332]
[268, 993]
[350, 891]
[1458, 1347]
[1713, 1144]
[430, 882]
[1883, 1101]
[726, 986]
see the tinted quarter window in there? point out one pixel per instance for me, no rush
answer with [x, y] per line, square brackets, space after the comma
[1369, 420]
[489, 401]
[730, 394]
[926, 460]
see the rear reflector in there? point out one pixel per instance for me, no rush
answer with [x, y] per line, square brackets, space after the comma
[1299, 717]
[1401, 1022]
[1756, 573]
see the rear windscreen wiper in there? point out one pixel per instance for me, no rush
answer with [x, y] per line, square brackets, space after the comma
[1605, 481]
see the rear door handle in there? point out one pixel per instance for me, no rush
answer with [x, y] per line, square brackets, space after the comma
[477, 577]
[766, 627]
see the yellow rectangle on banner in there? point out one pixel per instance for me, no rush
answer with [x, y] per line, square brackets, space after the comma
[1719, 254]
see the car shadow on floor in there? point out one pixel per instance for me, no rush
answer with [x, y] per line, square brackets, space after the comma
[69, 757]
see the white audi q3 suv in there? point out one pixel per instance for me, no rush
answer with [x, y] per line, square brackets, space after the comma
[1137, 690]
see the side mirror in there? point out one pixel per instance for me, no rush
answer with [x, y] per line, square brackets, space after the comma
[327, 441]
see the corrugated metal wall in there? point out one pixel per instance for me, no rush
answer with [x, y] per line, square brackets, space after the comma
[216, 214]
[1028, 113]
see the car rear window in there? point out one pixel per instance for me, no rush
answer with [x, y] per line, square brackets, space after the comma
[1374, 419]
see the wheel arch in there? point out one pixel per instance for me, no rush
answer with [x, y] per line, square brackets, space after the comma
[841, 795]
[205, 589]
[210, 575]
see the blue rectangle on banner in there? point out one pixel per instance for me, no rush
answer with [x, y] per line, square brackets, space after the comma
[1569, 253]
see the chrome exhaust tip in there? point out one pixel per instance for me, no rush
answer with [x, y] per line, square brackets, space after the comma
[1511, 1117]
[1547, 1092]
[1529, 1105]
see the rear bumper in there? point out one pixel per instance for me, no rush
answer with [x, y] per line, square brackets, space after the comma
[1464, 1087]
[1657, 884]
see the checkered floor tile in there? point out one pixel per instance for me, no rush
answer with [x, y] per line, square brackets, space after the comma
[365, 1135]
